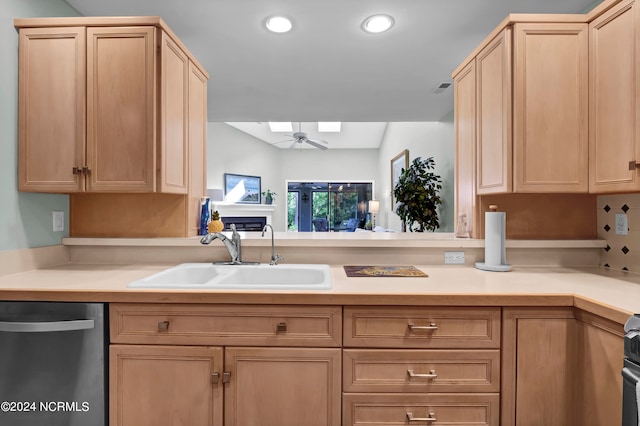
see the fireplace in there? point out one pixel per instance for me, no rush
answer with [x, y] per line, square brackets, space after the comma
[245, 223]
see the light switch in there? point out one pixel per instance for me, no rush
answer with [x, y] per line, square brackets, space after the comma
[622, 225]
[58, 221]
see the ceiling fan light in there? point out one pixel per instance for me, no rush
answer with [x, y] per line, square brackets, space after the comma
[281, 126]
[278, 24]
[329, 126]
[377, 23]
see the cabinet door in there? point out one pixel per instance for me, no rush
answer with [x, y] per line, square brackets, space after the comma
[283, 386]
[174, 155]
[464, 85]
[165, 386]
[121, 114]
[550, 107]
[494, 163]
[539, 373]
[197, 146]
[600, 360]
[614, 114]
[51, 110]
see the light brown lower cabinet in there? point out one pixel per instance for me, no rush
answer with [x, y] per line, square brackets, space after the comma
[271, 365]
[561, 366]
[421, 365]
[165, 385]
[419, 409]
[282, 386]
[299, 365]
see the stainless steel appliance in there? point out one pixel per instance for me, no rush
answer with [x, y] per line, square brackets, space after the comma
[52, 364]
[631, 371]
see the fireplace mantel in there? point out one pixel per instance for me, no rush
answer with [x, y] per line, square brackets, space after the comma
[244, 210]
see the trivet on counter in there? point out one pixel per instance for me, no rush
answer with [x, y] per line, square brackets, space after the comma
[383, 271]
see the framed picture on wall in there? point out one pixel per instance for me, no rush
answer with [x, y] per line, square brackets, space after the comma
[399, 162]
[242, 189]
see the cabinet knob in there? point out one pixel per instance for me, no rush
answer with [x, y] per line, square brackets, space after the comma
[634, 165]
[77, 170]
[86, 170]
[163, 326]
[226, 377]
[431, 327]
[430, 419]
[281, 327]
[215, 377]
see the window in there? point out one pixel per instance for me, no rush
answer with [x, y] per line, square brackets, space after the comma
[327, 206]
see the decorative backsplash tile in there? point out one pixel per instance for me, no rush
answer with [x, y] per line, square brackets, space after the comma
[622, 251]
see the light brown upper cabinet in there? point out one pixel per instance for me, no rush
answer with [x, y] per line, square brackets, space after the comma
[465, 149]
[614, 104]
[532, 94]
[494, 143]
[120, 126]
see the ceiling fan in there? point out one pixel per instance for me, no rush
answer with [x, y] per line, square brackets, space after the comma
[300, 137]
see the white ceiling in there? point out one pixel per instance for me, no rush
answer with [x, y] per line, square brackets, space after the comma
[359, 135]
[327, 68]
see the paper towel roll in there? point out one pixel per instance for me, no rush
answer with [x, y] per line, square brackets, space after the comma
[494, 243]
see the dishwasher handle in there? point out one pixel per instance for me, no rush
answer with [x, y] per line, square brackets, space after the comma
[46, 326]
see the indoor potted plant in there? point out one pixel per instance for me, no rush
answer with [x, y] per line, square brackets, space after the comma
[268, 196]
[418, 196]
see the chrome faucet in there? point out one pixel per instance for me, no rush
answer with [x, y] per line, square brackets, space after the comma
[274, 257]
[233, 245]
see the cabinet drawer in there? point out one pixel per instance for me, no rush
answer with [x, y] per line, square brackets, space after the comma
[226, 325]
[397, 409]
[443, 327]
[421, 370]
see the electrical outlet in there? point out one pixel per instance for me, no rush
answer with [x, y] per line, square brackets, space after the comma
[454, 258]
[58, 221]
[622, 224]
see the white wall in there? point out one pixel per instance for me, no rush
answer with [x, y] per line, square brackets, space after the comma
[25, 218]
[230, 150]
[422, 139]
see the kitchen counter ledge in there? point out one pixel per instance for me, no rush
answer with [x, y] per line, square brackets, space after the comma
[612, 294]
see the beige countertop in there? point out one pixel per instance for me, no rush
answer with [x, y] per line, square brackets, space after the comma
[612, 294]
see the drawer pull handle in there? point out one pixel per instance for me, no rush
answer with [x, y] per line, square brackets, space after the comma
[163, 326]
[633, 165]
[281, 327]
[226, 377]
[215, 377]
[431, 327]
[432, 374]
[431, 418]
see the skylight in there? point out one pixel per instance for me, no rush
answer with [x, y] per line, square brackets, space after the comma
[281, 126]
[329, 126]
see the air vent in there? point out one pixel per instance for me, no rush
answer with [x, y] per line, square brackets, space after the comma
[441, 87]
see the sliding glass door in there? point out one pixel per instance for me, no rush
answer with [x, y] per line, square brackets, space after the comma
[328, 206]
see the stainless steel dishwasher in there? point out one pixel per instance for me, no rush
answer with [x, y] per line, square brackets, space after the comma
[52, 364]
[631, 372]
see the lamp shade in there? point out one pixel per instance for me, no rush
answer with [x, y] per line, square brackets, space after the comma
[374, 206]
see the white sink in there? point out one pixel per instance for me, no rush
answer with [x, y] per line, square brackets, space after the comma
[248, 277]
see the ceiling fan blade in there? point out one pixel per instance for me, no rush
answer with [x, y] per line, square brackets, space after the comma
[286, 140]
[316, 144]
[294, 143]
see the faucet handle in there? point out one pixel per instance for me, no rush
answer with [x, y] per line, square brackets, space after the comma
[275, 259]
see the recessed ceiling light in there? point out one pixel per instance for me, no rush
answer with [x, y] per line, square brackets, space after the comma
[278, 24]
[377, 23]
[281, 126]
[329, 126]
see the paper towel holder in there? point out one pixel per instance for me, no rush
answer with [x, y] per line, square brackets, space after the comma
[494, 243]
